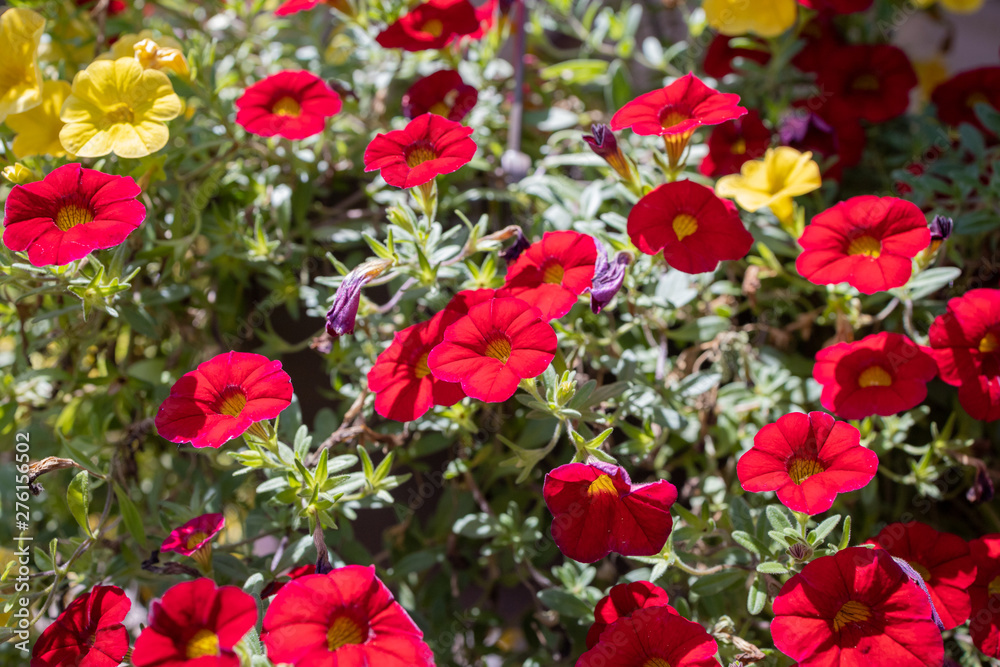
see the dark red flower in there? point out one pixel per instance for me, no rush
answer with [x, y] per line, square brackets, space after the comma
[195, 624]
[70, 213]
[693, 227]
[403, 384]
[492, 348]
[596, 510]
[984, 624]
[442, 93]
[808, 460]
[194, 538]
[957, 97]
[345, 618]
[621, 602]
[115, 7]
[856, 607]
[871, 82]
[837, 6]
[881, 374]
[867, 241]
[430, 145]
[822, 41]
[279, 583]
[552, 273]
[965, 342]
[222, 398]
[654, 637]
[431, 25]
[720, 55]
[89, 632]
[291, 104]
[734, 143]
[941, 559]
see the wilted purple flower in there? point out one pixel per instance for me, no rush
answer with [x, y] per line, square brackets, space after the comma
[604, 144]
[342, 314]
[796, 127]
[520, 244]
[941, 228]
[608, 279]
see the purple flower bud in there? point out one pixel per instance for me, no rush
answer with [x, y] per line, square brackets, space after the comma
[941, 228]
[520, 244]
[603, 142]
[796, 127]
[608, 279]
[342, 314]
[982, 490]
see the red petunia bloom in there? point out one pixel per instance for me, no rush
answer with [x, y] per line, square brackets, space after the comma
[552, 273]
[720, 54]
[194, 538]
[855, 607]
[431, 25]
[941, 559]
[222, 398]
[676, 111]
[293, 574]
[292, 104]
[466, 299]
[693, 227]
[622, 601]
[734, 143]
[965, 342]
[881, 374]
[837, 6]
[295, 6]
[89, 632]
[822, 41]
[984, 625]
[808, 460]
[654, 637]
[430, 145]
[70, 213]
[956, 98]
[403, 384]
[195, 623]
[342, 619]
[492, 348]
[596, 510]
[442, 93]
[867, 241]
[871, 82]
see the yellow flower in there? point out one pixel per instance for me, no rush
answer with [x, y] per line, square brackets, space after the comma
[18, 174]
[117, 106]
[957, 6]
[20, 80]
[152, 52]
[930, 73]
[767, 18]
[783, 173]
[38, 129]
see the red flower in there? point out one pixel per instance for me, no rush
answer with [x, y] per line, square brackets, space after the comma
[984, 625]
[291, 104]
[621, 602]
[881, 374]
[342, 619]
[822, 41]
[442, 93]
[694, 228]
[676, 111]
[492, 348]
[552, 273]
[941, 559]
[431, 25]
[837, 6]
[428, 146]
[194, 538]
[965, 342]
[70, 213]
[295, 6]
[193, 620]
[403, 384]
[720, 55]
[808, 460]
[871, 82]
[655, 637]
[734, 143]
[466, 299]
[114, 7]
[957, 97]
[867, 241]
[89, 632]
[596, 510]
[853, 608]
[222, 398]
[294, 573]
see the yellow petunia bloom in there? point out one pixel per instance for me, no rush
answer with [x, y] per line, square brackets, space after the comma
[20, 80]
[783, 173]
[18, 174]
[38, 129]
[767, 18]
[152, 52]
[118, 107]
[957, 6]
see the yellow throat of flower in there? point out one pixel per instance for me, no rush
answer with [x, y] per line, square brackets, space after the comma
[203, 643]
[70, 216]
[852, 612]
[684, 225]
[603, 484]
[875, 376]
[802, 469]
[343, 631]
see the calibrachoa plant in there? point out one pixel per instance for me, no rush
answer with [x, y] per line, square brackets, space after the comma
[505, 333]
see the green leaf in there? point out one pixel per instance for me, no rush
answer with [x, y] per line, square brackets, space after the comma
[478, 526]
[778, 519]
[757, 597]
[576, 71]
[749, 542]
[713, 584]
[770, 567]
[927, 282]
[130, 516]
[565, 603]
[819, 534]
[78, 498]
[845, 539]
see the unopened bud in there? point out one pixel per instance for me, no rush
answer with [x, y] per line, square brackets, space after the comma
[520, 244]
[344, 310]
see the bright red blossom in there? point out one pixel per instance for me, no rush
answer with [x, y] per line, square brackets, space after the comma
[734, 143]
[291, 104]
[881, 374]
[871, 82]
[70, 213]
[430, 145]
[808, 460]
[868, 242]
[431, 25]
[89, 632]
[956, 98]
[720, 54]
[195, 534]
[984, 625]
[295, 6]
[621, 602]
[295, 573]
[442, 93]
[596, 510]
[552, 273]
[654, 637]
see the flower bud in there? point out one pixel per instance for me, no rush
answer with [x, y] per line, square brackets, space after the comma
[18, 174]
[604, 144]
[941, 228]
[344, 310]
[608, 279]
[520, 244]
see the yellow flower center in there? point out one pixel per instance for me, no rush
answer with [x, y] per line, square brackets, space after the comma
[867, 82]
[205, 642]
[875, 376]
[865, 245]
[418, 154]
[433, 27]
[603, 484]
[343, 631]
[656, 662]
[119, 113]
[195, 539]
[685, 225]
[553, 273]
[422, 370]
[286, 106]
[739, 147]
[498, 348]
[976, 98]
[802, 469]
[70, 216]
[989, 343]
[441, 109]
[232, 401]
[924, 573]
[994, 587]
[669, 116]
[851, 612]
